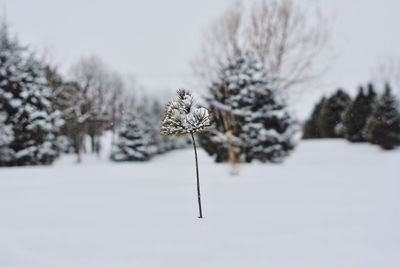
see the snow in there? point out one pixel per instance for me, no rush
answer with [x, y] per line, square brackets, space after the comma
[25, 96]
[330, 204]
[246, 101]
[183, 116]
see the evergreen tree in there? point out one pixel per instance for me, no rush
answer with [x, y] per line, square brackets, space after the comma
[252, 120]
[151, 111]
[371, 96]
[331, 114]
[383, 126]
[133, 142]
[25, 99]
[311, 127]
[356, 115]
[149, 114]
[6, 137]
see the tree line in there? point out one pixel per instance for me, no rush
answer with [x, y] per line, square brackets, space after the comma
[250, 57]
[44, 114]
[369, 117]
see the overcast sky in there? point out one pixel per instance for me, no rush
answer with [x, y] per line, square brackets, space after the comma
[155, 39]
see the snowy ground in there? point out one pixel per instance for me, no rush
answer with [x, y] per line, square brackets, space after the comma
[330, 204]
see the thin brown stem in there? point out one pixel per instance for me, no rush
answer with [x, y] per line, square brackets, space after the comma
[197, 174]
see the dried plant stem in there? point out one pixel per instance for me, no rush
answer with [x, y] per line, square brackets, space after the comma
[197, 174]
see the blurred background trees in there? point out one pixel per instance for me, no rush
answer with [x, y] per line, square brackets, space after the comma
[133, 141]
[356, 115]
[252, 121]
[288, 37]
[104, 90]
[369, 117]
[311, 128]
[331, 114]
[287, 40]
[252, 59]
[30, 124]
[44, 113]
[383, 127]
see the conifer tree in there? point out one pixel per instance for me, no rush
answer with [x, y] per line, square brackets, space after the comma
[25, 99]
[371, 95]
[383, 126]
[252, 120]
[149, 114]
[6, 137]
[151, 111]
[356, 115]
[331, 114]
[133, 142]
[311, 127]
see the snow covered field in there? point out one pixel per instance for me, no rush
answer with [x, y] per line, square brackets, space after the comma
[330, 204]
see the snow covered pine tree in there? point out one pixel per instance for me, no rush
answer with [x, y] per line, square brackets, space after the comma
[250, 115]
[133, 141]
[26, 107]
[183, 116]
[6, 137]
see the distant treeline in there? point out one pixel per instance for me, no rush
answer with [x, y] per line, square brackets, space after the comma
[368, 117]
[44, 114]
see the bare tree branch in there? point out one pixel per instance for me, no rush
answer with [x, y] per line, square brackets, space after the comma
[388, 71]
[288, 37]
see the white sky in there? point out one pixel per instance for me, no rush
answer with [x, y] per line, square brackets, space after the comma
[155, 39]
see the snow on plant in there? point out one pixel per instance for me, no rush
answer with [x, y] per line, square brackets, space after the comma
[183, 116]
[31, 124]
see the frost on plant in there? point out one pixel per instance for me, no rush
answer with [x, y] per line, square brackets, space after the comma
[182, 116]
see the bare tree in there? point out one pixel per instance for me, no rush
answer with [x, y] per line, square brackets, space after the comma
[104, 89]
[387, 71]
[287, 36]
[221, 44]
[93, 75]
[69, 99]
[76, 112]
